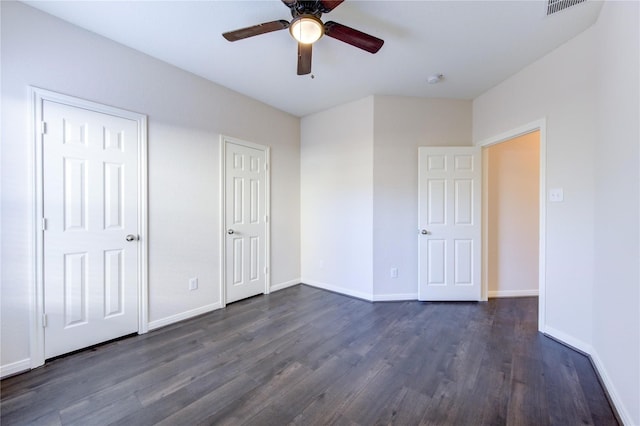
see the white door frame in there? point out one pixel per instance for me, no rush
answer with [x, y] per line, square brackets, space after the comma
[224, 140]
[38, 97]
[540, 125]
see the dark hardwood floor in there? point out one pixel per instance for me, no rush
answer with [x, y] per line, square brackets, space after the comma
[310, 357]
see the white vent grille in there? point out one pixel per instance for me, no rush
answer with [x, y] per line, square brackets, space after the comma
[558, 5]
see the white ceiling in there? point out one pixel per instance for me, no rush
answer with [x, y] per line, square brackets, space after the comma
[475, 44]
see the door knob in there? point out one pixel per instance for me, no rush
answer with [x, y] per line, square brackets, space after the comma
[131, 237]
[425, 232]
[230, 231]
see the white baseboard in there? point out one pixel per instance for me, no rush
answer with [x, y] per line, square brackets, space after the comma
[601, 370]
[394, 297]
[183, 316]
[337, 289]
[568, 340]
[513, 293]
[15, 368]
[397, 297]
[290, 283]
[614, 397]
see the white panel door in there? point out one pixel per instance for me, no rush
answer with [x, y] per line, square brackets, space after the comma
[449, 208]
[90, 199]
[245, 215]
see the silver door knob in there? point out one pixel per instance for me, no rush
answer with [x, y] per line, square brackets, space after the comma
[230, 231]
[130, 237]
[424, 232]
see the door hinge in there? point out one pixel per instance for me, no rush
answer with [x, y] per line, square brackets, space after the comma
[44, 320]
[266, 270]
[266, 166]
[266, 219]
[43, 127]
[44, 223]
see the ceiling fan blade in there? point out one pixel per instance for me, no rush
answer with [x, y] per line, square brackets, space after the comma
[289, 3]
[353, 37]
[255, 30]
[329, 5]
[304, 58]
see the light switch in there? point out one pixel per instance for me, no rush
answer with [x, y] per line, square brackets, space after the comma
[193, 284]
[556, 195]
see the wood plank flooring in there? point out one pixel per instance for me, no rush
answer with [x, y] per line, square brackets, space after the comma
[305, 356]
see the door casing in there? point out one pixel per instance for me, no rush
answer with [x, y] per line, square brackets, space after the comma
[224, 140]
[38, 96]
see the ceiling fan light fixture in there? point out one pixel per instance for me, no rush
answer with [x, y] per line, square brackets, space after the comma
[307, 29]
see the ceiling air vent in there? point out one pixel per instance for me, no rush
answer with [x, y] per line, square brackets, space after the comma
[557, 5]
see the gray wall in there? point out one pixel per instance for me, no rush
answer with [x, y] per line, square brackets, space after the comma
[186, 115]
[588, 92]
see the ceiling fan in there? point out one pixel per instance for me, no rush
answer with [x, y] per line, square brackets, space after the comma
[307, 28]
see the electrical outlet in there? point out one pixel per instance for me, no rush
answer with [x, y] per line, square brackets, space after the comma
[193, 284]
[394, 272]
[556, 195]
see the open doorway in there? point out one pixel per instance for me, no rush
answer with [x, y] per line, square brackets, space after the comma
[512, 196]
[538, 127]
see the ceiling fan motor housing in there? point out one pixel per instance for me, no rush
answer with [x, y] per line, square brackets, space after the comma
[315, 8]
